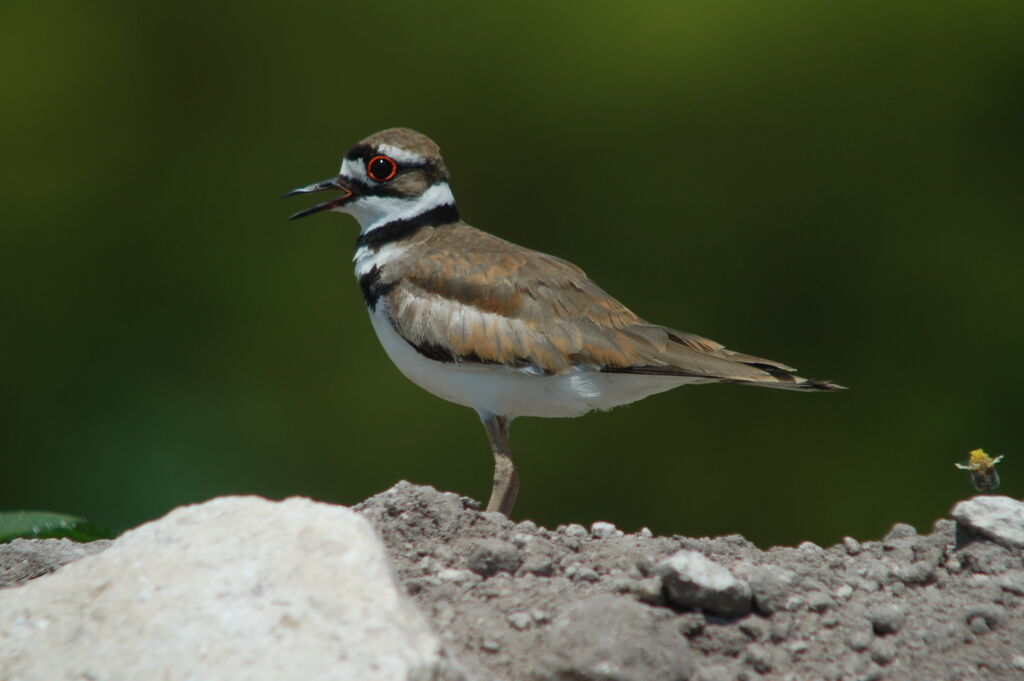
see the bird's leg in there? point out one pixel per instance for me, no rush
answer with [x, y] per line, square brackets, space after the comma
[506, 480]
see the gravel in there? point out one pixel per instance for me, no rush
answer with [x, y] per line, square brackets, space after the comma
[517, 601]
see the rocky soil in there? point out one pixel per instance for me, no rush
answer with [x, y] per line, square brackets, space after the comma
[511, 600]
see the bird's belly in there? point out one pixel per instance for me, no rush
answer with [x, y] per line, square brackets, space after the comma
[513, 393]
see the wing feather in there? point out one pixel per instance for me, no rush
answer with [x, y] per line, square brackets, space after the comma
[472, 297]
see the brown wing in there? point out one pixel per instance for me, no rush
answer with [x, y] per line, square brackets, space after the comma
[472, 297]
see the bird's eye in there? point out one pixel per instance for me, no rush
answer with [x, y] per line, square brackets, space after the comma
[381, 168]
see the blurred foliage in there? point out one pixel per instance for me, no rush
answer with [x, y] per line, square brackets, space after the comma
[46, 525]
[832, 185]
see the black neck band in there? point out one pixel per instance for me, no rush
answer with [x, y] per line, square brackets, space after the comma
[400, 229]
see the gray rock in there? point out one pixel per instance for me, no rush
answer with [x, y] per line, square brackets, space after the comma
[539, 565]
[782, 627]
[520, 620]
[650, 590]
[770, 586]
[991, 615]
[603, 530]
[882, 650]
[852, 546]
[490, 556]
[919, 572]
[998, 517]
[901, 531]
[25, 559]
[694, 581]
[1013, 581]
[819, 601]
[574, 530]
[886, 619]
[715, 672]
[613, 638]
[759, 657]
[238, 587]
[860, 639]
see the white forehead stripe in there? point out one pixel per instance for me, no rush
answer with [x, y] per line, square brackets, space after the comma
[354, 170]
[401, 155]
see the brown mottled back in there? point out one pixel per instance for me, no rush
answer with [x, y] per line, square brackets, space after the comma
[469, 296]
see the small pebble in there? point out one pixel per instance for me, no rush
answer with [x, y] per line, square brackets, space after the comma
[859, 640]
[645, 532]
[809, 547]
[603, 530]
[539, 616]
[794, 603]
[852, 545]
[623, 585]
[920, 572]
[520, 620]
[490, 645]
[691, 624]
[872, 673]
[488, 557]
[520, 540]
[819, 601]
[457, 576]
[882, 650]
[985, 617]
[844, 592]
[575, 530]
[754, 628]
[1018, 662]
[715, 672]
[542, 566]
[759, 657]
[782, 627]
[526, 526]
[886, 619]
[901, 531]
[1013, 581]
[978, 625]
[582, 573]
[650, 591]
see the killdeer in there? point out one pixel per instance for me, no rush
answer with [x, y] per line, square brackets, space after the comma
[507, 331]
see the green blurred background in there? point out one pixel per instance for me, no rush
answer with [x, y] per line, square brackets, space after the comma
[837, 186]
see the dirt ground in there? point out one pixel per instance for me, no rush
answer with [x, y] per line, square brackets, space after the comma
[516, 601]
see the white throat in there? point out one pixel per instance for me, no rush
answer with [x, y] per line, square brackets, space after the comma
[375, 211]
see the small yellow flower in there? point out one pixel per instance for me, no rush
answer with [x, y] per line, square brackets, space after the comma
[983, 470]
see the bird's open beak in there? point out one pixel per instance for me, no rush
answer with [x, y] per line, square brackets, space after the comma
[325, 186]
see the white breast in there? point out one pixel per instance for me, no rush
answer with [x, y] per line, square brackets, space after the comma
[514, 393]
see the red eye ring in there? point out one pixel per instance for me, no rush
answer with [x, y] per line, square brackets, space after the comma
[381, 172]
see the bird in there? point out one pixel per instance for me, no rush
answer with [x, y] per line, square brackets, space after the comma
[502, 329]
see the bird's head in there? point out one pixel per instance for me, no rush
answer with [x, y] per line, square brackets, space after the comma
[389, 175]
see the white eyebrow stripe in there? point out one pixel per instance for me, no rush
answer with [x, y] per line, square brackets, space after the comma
[401, 155]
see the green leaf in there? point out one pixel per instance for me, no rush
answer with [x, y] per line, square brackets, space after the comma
[47, 525]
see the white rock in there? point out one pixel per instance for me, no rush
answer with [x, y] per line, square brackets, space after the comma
[603, 530]
[996, 517]
[575, 530]
[694, 581]
[236, 588]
